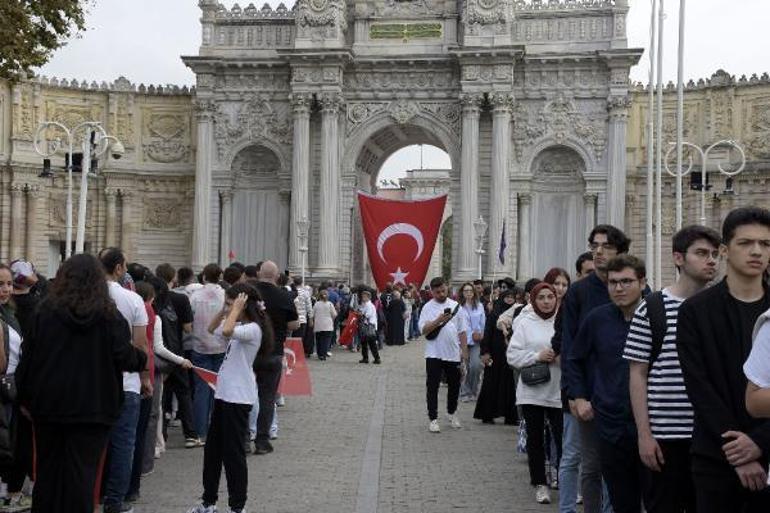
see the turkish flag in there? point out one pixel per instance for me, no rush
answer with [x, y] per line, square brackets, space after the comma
[208, 377]
[351, 327]
[400, 237]
[296, 376]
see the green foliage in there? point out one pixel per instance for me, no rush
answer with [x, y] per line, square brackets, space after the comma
[31, 30]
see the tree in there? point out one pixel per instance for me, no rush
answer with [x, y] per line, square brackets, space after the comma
[30, 30]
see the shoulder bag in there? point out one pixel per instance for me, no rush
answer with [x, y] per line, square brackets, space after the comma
[536, 374]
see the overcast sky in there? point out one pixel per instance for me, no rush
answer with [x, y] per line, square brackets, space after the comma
[143, 39]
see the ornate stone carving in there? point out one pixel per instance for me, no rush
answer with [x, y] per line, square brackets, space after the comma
[480, 13]
[166, 136]
[449, 113]
[71, 114]
[255, 118]
[471, 102]
[23, 114]
[205, 108]
[57, 213]
[360, 112]
[758, 142]
[406, 8]
[121, 123]
[501, 101]
[162, 214]
[301, 102]
[321, 19]
[402, 111]
[618, 107]
[402, 80]
[330, 101]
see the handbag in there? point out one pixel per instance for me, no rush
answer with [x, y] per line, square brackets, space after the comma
[7, 381]
[366, 330]
[536, 374]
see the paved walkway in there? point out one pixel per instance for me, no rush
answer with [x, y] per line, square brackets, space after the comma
[360, 444]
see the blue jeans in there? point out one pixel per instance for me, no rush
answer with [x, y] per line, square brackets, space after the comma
[254, 414]
[121, 451]
[470, 386]
[203, 401]
[569, 469]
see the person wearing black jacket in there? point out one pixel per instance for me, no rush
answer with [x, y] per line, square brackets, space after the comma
[69, 381]
[729, 448]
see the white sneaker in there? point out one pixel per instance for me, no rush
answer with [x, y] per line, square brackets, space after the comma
[200, 508]
[579, 499]
[280, 401]
[542, 495]
[454, 421]
[433, 427]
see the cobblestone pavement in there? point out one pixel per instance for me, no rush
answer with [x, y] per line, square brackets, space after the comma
[360, 444]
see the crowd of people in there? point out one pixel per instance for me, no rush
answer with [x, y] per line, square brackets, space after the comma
[624, 397]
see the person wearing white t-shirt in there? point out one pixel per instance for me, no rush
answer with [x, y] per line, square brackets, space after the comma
[444, 352]
[123, 435]
[243, 325]
[757, 370]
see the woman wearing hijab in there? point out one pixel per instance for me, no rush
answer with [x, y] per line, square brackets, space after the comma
[539, 387]
[394, 318]
[497, 397]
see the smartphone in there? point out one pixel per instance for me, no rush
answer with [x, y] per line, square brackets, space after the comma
[447, 310]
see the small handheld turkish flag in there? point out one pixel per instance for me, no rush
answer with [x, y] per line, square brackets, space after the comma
[296, 376]
[208, 377]
[400, 237]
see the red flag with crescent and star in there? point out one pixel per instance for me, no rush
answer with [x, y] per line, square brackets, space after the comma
[400, 236]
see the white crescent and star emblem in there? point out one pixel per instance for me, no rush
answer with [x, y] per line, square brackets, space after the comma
[400, 229]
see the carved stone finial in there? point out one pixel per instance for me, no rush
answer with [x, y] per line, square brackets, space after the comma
[471, 102]
[330, 101]
[301, 102]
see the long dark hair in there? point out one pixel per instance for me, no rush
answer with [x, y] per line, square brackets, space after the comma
[80, 288]
[255, 312]
[475, 300]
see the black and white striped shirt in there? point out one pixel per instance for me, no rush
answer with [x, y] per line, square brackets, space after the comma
[669, 407]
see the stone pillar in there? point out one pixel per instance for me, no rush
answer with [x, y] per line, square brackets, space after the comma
[300, 173]
[329, 239]
[17, 221]
[589, 204]
[469, 184]
[126, 227]
[33, 194]
[202, 206]
[616, 172]
[502, 104]
[226, 216]
[525, 265]
[111, 221]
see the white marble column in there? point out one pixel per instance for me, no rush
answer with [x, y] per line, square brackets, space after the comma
[300, 173]
[33, 194]
[328, 240]
[17, 221]
[226, 229]
[589, 204]
[202, 205]
[469, 183]
[126, 224]
[525, 237]
[110, 225]
[616, 172]
[502, 104]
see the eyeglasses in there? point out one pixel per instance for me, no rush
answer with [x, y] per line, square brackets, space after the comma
[604, 245]
[624, 283]
[705, 254]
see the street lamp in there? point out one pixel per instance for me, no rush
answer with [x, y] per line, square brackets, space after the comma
[480, 230]
[303, 226]
[704, 155]
[95, 142]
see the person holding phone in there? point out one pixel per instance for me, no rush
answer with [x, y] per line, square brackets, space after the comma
[445, 348]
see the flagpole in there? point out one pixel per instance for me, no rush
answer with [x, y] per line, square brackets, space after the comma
[659, 156]
[680, 116]
[650, 253]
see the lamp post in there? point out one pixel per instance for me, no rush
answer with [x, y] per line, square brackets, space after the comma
[303, 226]
[95, 142]
[704, 155]
[480, 230]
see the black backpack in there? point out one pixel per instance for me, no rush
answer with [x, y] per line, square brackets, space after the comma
[656, 314]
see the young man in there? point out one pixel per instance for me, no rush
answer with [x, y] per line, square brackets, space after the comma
[444, 352]
[662, 411]
[580, 441]
[729, 448]
[584, 265]
[600, 381]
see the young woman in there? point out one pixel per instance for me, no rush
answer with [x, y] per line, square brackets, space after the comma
[530, 346]
[76, 327]
[475, 319]
[244, 323]
[323, 324]
[560, 280]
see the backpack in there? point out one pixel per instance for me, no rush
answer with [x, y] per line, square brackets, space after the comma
[170, 328]
[656, 314]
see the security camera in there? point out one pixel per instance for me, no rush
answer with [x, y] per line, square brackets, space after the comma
[117, 150]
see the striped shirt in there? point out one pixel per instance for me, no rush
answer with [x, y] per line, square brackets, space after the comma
[669, 407]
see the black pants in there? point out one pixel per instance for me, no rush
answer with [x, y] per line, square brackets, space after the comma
[69, 461]
[534, 418]
[433, 370]
[671, 490]
[21, 466]
[145, 408]
[323, 341]
[622, 471]
[718, 490]
[178, 383]
[224, 447]
[307, 342]
[268, 377]
[369, 343]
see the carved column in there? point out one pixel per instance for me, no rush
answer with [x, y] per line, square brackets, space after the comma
[33, 194]
[126, 227]
[589, 204]
[17, 221]
[328, 241]
[469, 182]
[226, 229]
[300, 173]
[110, 223]
[525, 265]
[202, 206]
[502, 104]
[616, 175]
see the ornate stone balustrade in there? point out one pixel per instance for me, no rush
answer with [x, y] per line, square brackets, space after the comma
[252, 13]
[719, 79]
[561, 5]
[121, 85]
